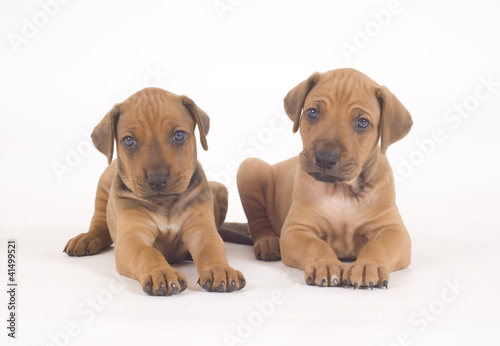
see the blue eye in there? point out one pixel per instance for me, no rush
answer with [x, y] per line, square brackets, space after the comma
[180, 136]
[362, 123]
[129, 141]
[312, 113]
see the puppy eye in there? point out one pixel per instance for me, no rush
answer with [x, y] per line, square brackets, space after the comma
[312, 113]
[129, 141]
[362, 123]
[180, 136]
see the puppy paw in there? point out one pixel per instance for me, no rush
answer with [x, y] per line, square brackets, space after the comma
[163, 281]
[84, 244]
[366, 273]
[221, 278]
[267, 248]
[324, 272]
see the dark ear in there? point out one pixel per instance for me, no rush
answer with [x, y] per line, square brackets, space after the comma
[395, 120]
[200, 117]
[104, 133]
[294, 100]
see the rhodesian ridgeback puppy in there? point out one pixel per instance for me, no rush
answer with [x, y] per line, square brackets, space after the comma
[335, 201]
[154, 201]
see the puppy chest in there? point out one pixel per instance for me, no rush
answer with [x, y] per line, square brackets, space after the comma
[341, 219]
[339, 211]
[169, 241]
[168, 232]
[166, 228]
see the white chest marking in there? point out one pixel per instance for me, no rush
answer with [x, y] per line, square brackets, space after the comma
[337, 205]
[172, 227]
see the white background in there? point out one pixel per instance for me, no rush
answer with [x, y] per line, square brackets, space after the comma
[65, 72]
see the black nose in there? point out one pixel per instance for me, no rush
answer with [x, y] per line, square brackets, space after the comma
[325, 159]
[157, 181]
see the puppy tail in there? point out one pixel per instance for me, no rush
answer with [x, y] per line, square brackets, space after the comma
[234, 232]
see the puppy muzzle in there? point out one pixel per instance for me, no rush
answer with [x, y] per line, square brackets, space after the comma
[157, 182]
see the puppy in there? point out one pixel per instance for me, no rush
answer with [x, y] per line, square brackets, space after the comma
[335, 201]
[154, 201]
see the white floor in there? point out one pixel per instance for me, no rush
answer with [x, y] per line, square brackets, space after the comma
[63, 64]
[448, 296]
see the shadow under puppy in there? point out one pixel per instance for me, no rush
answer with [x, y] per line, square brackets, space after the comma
[336, 200]
[154, 201]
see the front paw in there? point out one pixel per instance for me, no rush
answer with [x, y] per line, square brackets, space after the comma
[267, 248]
[84, 244]
[163, 281]
[221, 278]
[324, 272]
[366, 273]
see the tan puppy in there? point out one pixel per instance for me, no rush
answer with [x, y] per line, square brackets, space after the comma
[154, 201]
[336, 200]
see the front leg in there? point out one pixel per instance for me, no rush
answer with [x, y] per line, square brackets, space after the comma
[137, 259]
[207, 249]
[98, 236]
[388, 252]
[301, 247]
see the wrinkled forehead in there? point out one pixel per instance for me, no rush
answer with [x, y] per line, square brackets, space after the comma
[345, 89]
[154, 109]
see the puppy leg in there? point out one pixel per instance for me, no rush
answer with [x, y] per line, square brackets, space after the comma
[303, 248]
[389, 252]
[137, 259]
[255, 186]
[208, 252]
[97, 238]
[219, 192]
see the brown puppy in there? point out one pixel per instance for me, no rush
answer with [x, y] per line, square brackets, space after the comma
[336, 200]
[154, 201]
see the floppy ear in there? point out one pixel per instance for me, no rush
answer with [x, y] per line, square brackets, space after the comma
[395, 120]
[200, 117]
[104, 133]
[294, 100]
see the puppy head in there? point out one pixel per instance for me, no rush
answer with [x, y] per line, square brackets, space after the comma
[343, 115]
[154, 131]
